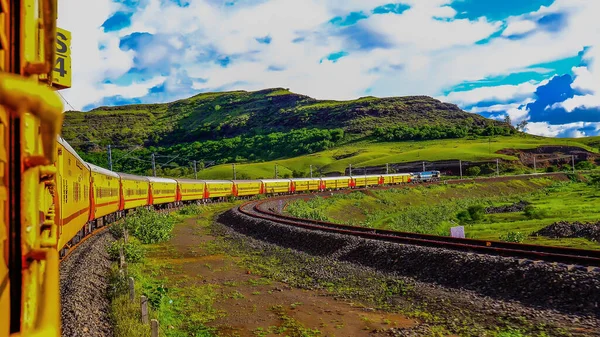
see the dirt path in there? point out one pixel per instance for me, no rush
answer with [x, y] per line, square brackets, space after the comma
[255, 306]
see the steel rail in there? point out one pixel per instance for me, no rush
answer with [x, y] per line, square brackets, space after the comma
[570, 256]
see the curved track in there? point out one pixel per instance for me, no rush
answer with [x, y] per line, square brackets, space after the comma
[267, 210]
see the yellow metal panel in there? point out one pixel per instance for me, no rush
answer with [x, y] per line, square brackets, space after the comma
[219, 189]
[307, 185]
[366, 181]
[337, 183]
[61, 76]
[277, 186]
[163, 192]
[247, 188]
[106, 194]
[73, 176]
[135, 193]
[191, 190]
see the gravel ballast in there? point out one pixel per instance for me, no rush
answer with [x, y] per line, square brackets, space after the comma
[463, 311]
[543, 285]
[83, 286]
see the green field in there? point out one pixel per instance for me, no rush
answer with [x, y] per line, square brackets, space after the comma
[379, 153]
[434, 209]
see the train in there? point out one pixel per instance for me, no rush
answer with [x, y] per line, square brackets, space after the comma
[51, 199]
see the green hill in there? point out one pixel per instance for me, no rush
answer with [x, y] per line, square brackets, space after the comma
[271, 125]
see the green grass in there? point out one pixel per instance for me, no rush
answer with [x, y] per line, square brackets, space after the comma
[376, 153]
[433, 209]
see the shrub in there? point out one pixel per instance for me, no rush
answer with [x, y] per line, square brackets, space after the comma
[532, 212]
[463, 216]
[476, 212]
[149, 226]
[585, 165]
[473, 171]
[513, 237]
[551, 169]
[191, 210]
[133, 250]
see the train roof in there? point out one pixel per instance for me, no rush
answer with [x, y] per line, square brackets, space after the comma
[395, 174]
[191, 181]
[247, 181]
[336, 178]
[161, 180]
[276, 180]
[68, 147]
[102, 170]
[128, 176]
[366, 176]
[306, 179]
[218, 181]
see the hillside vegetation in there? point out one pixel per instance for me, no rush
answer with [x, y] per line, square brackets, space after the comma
[260, 128]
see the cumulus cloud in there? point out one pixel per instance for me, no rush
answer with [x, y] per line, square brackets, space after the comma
[161, 51]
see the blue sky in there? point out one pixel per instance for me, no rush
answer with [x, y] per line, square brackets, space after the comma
[535, 60]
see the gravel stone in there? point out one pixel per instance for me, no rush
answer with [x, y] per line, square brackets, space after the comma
[83, 287]
[564, 229]
[487, 287]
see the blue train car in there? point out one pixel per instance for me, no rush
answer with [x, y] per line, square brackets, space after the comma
[427, 176]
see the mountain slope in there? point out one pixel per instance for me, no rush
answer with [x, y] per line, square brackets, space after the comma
[213, 116]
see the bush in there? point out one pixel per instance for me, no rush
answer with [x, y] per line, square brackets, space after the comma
[473, 171]
[148, 226]
[133, 250]
[463, 217]
[532, 212]
[191, 210]
[513, 237]
[551, 169]
[476, 212]
[585, 165]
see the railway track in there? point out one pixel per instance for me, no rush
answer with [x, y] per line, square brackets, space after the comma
[267, 210]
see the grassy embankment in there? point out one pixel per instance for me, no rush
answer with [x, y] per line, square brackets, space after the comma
[434, 209]
[363, 154]
[202, 283]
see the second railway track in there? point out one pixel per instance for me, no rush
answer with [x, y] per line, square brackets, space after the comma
[266, 209]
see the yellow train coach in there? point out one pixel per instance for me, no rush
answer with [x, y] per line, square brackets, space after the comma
[106, 193]
[306, 184]
[190, 189]
[332, 183]
[271, 186]
[135, 191]
[366, 180]
[162, 190]
[247, 187]
[396, 178]
[218, 189]
[73, 179]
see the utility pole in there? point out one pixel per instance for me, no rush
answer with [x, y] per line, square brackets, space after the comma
[387, 168]
[275, 171]
[423, 166]
[573, 162]
[311, 171]
[534, 168]
[153, 165]
[195, 171]
[497, 168]
[109, 157]
[350, 169]
[460, 168]
[234, 177]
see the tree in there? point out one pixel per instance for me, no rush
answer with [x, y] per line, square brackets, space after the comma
[522, 125]
[507, 119]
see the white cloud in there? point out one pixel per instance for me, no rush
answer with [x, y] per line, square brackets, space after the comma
[519, 27]
[501, 93]
[564, 130]
[426, 55]
[587, 80]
